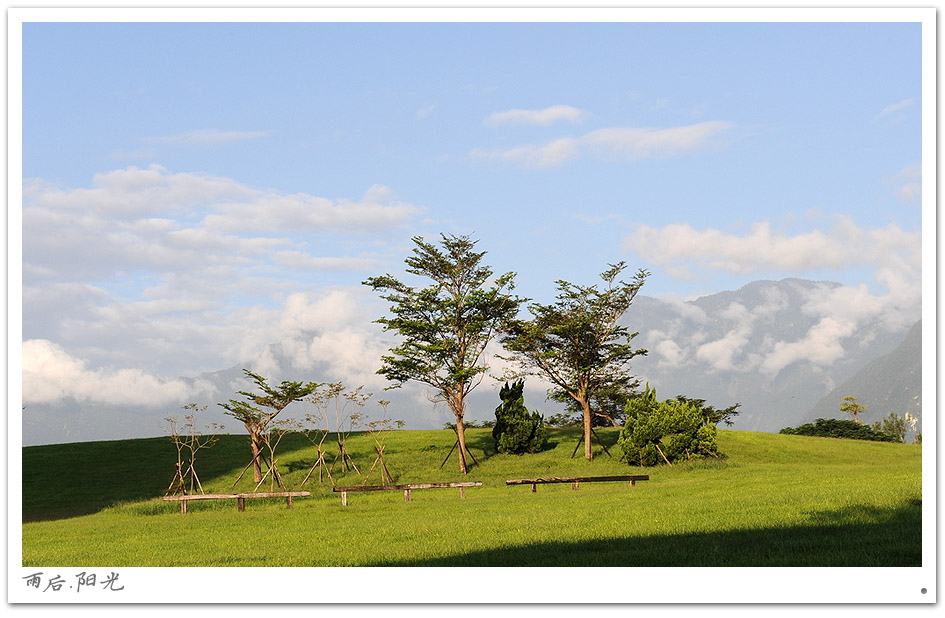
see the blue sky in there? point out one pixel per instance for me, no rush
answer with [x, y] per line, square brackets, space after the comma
[196, 192]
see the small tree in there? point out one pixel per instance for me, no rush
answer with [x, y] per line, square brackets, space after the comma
[852, 407]
[188, 439]
[516, 429]
[577, 344]
[338, 410]
[260, 409]
[894, 426]
[376, 429]
[447, 325]
[665, 431]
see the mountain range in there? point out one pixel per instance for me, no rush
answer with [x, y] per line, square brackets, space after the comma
[787, 351]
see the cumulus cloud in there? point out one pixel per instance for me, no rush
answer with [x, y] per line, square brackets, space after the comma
[542, 117]
[331, 330]
[189, 270]
[822, 346]
[51, 375]
[613, 144]
[763, 249]
[892, 254]
[153, 219]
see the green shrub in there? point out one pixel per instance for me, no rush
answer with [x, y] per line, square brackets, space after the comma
[665, 431]
[516, 429]
[836, 428]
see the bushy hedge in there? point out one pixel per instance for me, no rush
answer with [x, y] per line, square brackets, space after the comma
[665, 431]
[516, 429]
[836, 428]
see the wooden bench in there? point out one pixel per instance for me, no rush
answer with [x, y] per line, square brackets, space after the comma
[240, 498]
[576, 480]
[406, 488]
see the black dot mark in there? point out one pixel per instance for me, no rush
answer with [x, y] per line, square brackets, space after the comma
[924, 590]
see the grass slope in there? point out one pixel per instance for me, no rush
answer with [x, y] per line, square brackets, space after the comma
[774, 500]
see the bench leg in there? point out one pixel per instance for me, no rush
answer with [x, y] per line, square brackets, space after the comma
[406, 495]
[574, 485]
[462, 492]
[288, 502]
[344, 498]
[534, 488]
[241, 504]
[183, 507]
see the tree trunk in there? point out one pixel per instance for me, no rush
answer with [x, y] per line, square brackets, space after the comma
[588, 450]
[461, 437]
[458, 406]
[255, 444]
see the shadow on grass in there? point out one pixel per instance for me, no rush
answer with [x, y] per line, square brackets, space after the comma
[61, 481]
[856, 536]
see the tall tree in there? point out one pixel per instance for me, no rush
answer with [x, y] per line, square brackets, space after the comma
[577, 344]
[447, 325]
[259, 410]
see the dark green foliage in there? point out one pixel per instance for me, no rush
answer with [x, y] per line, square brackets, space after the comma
[577, 344]
[709, 413]
[836, 428]
[516, 429]
[446, 326]
[608, 406]
[259, 410]
[892, 425]
[667, 431]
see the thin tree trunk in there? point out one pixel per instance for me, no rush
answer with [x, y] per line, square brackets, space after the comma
[461, 437]
[588, 448]
[255, 444]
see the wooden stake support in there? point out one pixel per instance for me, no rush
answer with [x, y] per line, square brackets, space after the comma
[455, 444]
[379, 458]
[596, 437]
[320, 463]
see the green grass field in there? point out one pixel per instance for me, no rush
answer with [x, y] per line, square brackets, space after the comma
[773, 500]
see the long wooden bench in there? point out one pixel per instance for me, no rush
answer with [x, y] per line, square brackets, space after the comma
[576, 480]
[406, 488]
[240, 498]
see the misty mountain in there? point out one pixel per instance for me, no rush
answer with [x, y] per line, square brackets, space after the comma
[776, 347]
[891, 383]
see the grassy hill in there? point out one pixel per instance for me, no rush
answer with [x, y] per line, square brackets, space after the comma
[773, 500]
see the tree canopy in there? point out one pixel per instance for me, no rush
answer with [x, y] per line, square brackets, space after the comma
[577, 344]
[446, 326]
[260, 409]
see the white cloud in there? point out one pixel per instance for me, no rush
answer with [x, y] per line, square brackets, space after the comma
[892, 109]
[822, 346]
[613, 144]
[182, 263]
[541, 117]
[763, 249]
[51, 375]
[206, 137]
[647, 143]
[548, 155]
[332, 330]
[303, 260]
